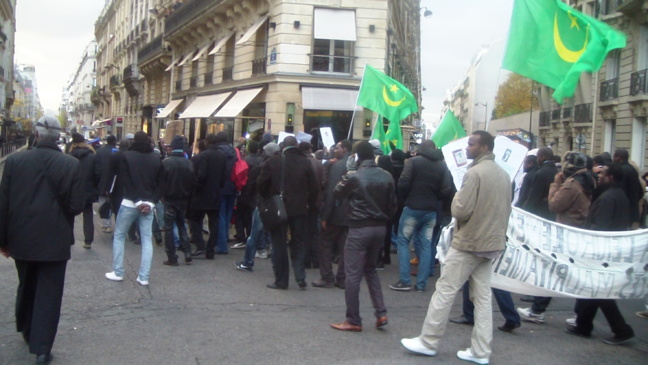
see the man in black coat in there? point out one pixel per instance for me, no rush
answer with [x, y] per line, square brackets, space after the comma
[102, 164]
[179, 182]
[83, 152]
[40, 193]
[334, 223]
[210, 179]
[609, 212]
[537, 201]
[530, 167]
[300, 193]
[630, 185]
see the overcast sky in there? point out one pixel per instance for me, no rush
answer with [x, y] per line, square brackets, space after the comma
[52, 36]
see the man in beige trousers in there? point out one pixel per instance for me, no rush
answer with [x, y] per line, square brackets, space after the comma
[481, 210]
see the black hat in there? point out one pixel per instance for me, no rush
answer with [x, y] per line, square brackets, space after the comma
[77, 138]
[177, 143]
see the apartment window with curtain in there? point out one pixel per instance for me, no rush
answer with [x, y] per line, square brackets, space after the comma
[334, 36]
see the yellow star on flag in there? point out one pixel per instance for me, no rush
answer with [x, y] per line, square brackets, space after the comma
[574, 20]
[393, 88]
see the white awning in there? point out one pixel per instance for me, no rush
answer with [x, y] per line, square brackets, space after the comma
[252, 30]
[221, 43]
[97, 123]
[202, 51]
[237, 103]
[168, 109]
[319, 98]
[185, 59]
[204, 106]
[338, 24]
[173, 62]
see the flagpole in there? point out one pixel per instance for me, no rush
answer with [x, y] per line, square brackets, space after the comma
[356, 103]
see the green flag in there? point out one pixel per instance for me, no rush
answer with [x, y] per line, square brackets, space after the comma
[379, 134]
[553, 44]
[385, 96]
[449, 130]
[394, 135]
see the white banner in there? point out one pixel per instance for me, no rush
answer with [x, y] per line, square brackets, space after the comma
[544, 258]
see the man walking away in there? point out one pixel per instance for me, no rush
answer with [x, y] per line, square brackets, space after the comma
[228, 194]
[481, 209]
[102, 163]
[40, 193]
[179, 182]
[371, 203]
[142, 174]
[425, 182]
[630, 185]
[83, 152]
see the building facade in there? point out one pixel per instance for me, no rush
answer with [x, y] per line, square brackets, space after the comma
[245, 66]
[78, 105]
[610, 108]
[7, 49]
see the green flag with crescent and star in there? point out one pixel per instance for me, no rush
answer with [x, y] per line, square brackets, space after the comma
[394, 135]
[379, 134]
[385, 96]
[449, 130]
[552, 43]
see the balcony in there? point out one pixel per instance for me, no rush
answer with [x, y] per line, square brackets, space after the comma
[545, 119]
[638, 82]
[193, 82]
[332, 64]
[228, 73]
[150, 50]
[178, 85]
[583, 113]
[131, 80]
[608, 7]
[95, 98]
[609, 90]
[115, 81]
[567, 112]
[555, 114]
[209, 78]
[259, 66]
[186, 12]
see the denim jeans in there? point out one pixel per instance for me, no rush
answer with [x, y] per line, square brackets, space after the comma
[419, 223]
[125, 218]
[504, 302]
[258, 239]
[224, 219]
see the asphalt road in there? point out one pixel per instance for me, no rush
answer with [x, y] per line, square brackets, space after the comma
[210, 313]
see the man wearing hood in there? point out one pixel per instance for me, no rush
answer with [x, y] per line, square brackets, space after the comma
[425, 182]
[83, 152]
[228, 194]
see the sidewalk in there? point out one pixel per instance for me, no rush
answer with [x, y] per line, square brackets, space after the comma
[210, 313]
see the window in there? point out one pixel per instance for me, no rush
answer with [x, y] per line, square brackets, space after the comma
[261, 44]
[612, 65]
[642, 61]
[638, 146]
[334, 39]
[609, 140]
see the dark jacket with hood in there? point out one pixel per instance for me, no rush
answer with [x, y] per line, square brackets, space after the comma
[179, 179]
[334, 210]
[229, 188]
[210, 179]
[610, 212]
[371, 196]
[537, 201]
[425, 181]
[249, 192]
[40, 193]
[142, 173]
[571, 200]
[90, 171]
[301, 187]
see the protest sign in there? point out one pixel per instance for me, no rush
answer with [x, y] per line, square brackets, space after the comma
[282, 136]
[327, 137]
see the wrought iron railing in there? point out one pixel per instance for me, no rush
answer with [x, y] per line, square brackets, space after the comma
[583, 113]
[115, 81]
[153, 48]
[209, 78]
[178, 85]
[186, 12]
[228, 73]
[259, 66]
[609, 90]
[555, 114]
[11, 146]
[609, 6]
[567, 112]
[545, 119]
[332, 64]
[638, 82]
[193, 82]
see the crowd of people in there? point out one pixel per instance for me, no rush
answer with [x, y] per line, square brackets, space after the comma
[349, 205]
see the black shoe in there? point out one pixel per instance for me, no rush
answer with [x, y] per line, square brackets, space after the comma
[188, 259]
[43, 358]
[527, 298]
[198, 253]
[274, 286]
[170, 262]
[340, 285]
[400, 286]
[508, 327]
[461, 320]
[209, 256]
[574, 331]
[617, 340]
[241, 266]
[302, 284]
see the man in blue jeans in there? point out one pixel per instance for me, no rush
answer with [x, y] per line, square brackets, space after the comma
[424, 182]
[257, 240]
[504, 302]
[142, 173]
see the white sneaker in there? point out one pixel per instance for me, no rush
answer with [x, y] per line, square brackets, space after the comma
[262, 254]
[112, 276]
[528, 315]
[415, 345]
[142, 282]
[468, 356]
[571, 322]
[238, 245]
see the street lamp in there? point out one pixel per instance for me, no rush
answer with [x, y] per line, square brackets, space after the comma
[427, 13]
[485, 114]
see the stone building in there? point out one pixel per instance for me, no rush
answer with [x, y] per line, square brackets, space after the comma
[240, 66]
[80, 110]
[7, 49]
